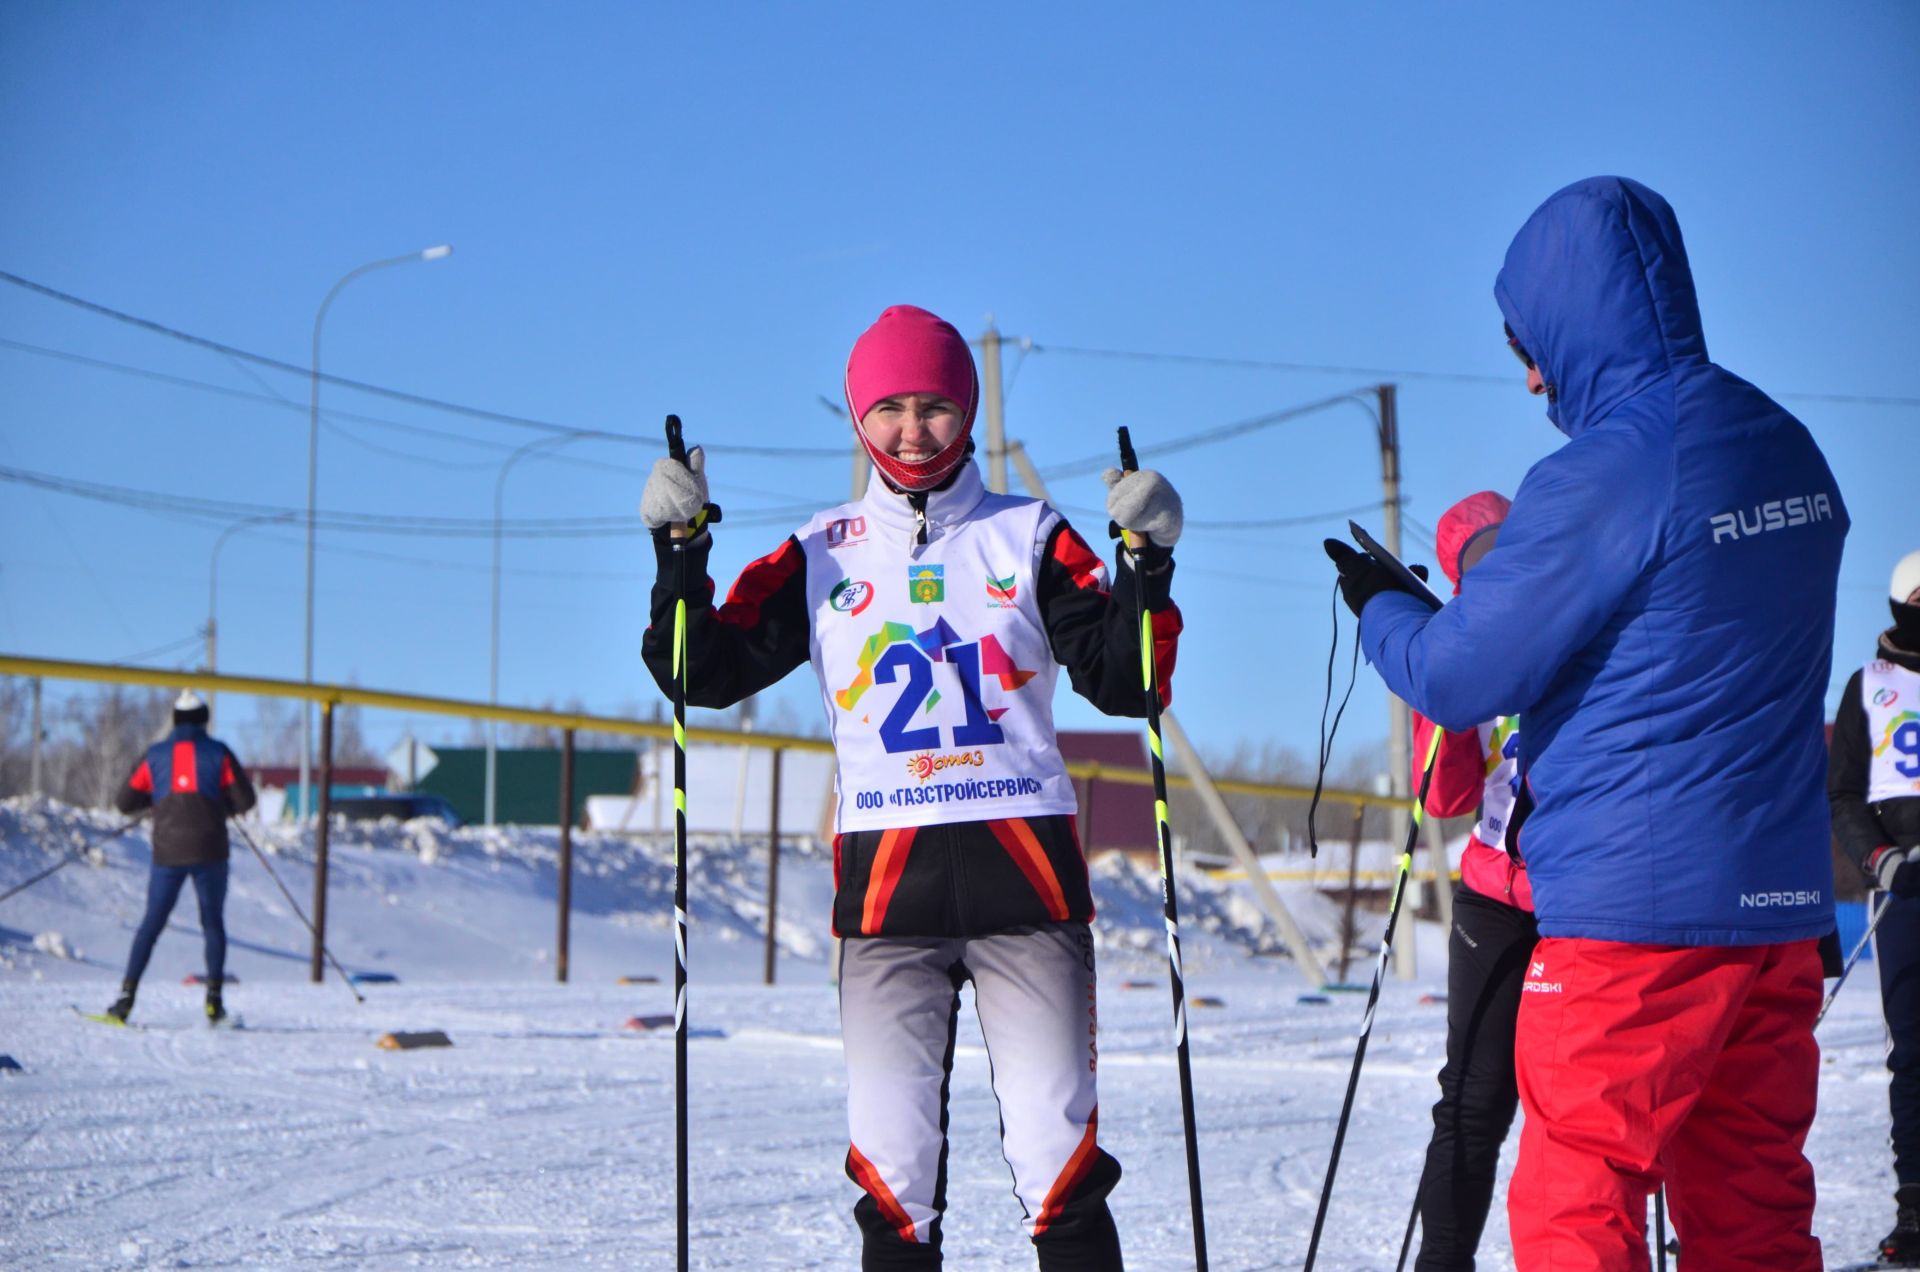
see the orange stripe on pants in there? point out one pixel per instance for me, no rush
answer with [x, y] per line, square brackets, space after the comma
[1070, 1176]
[884, 877]
[869, 1179]
[1017, 837]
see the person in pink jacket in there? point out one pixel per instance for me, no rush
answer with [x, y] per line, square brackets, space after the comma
[1493, 935]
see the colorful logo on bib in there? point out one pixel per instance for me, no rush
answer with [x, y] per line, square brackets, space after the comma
[897, 652]
[1000, 592]
[926, 764]
[850, 596]
[1885, 697]
[1903, 739]
[927, 584]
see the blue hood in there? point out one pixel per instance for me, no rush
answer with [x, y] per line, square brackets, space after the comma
[1596, 287]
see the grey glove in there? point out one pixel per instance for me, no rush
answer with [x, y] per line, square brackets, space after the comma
[1146, 503]
[1896, 871]
[675, 492]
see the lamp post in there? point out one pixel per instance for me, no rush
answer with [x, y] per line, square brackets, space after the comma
[213, 583]
[438, 252]
[554, 441]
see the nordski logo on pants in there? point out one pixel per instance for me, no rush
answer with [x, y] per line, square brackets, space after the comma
[1774, 900]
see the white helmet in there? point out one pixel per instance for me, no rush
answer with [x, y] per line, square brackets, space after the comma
[1906, 578]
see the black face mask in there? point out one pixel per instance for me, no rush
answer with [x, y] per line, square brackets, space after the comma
[1906, 624]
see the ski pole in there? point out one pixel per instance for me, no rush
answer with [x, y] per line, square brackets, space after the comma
[1660, 1225]
[1413, 1217]
[1129, 462]
[680, 533]
[1373, 995]
[298, 913]
[1846, 968]
[76, 854]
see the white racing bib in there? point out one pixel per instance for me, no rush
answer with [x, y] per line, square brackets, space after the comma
[1891, 695]
[935, 668]
[1500, 744]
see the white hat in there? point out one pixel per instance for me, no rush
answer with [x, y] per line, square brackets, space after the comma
[188, 701]
[1906, 577]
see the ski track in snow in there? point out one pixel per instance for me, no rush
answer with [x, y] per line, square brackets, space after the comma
[543, 1137]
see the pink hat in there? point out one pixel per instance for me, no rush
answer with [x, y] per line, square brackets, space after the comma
[908, 350]
[1461, 524]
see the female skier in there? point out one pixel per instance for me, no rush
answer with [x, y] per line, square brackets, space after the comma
[935, 615]
[1493, 933]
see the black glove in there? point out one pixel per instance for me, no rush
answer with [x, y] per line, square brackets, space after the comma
[1897, 871]
[1361, 577]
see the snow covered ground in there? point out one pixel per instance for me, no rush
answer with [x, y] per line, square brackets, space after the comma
[543, 1137]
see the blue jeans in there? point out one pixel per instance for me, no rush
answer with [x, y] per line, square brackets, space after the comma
[163, 889]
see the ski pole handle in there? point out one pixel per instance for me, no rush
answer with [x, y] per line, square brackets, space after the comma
[677, 451]
[1129, 463]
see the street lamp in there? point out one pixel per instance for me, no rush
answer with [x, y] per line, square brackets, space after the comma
[435, 253]
[493, 645]
[213, 582]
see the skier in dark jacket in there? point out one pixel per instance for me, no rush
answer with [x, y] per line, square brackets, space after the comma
[193, 783]
[1873, 789]
[936, 615]
[1659, 611]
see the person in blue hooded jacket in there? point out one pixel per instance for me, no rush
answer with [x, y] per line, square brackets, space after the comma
[1659, 611]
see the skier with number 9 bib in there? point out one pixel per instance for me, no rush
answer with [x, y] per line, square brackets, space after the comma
[1873, 790]
[936, 615]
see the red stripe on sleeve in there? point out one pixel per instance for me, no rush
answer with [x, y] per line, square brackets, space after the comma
[1167, 626]
[226, 771]
[1459, 776]
[142, 779]
[1089, 572]
[758, 582]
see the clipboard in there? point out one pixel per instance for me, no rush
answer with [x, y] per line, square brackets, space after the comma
[1408, 580]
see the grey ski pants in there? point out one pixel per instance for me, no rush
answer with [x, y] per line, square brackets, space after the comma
[1034, 994]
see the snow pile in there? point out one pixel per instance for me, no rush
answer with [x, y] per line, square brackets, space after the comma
[54, 945]
[419, 898]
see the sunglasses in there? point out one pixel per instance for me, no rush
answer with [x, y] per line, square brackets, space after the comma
[1513, 343]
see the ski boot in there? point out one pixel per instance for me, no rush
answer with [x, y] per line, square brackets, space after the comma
[216, 1010]
[1901, 1247]
[123, 1005]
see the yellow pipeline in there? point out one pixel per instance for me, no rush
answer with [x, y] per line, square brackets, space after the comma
[353, 695]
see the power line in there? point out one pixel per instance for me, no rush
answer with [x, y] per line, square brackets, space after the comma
[398, 395]
[223, 510]
[1403, 373]
[1207, 437]
[1261, 364]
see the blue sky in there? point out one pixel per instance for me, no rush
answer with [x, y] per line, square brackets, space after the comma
[660, 209]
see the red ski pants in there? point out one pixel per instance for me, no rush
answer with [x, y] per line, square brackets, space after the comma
[1643, 1065]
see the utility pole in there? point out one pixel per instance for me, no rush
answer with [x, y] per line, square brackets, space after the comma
[1399, 721]
[990, 398]
[33, 783]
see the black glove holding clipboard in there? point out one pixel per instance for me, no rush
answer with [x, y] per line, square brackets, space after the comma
[1364, 575]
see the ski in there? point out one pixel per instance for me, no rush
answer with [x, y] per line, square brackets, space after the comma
[226, 1024]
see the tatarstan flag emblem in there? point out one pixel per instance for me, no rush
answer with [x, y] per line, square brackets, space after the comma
[1000, 592]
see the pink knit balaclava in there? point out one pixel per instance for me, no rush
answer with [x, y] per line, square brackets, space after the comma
[908, 350]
